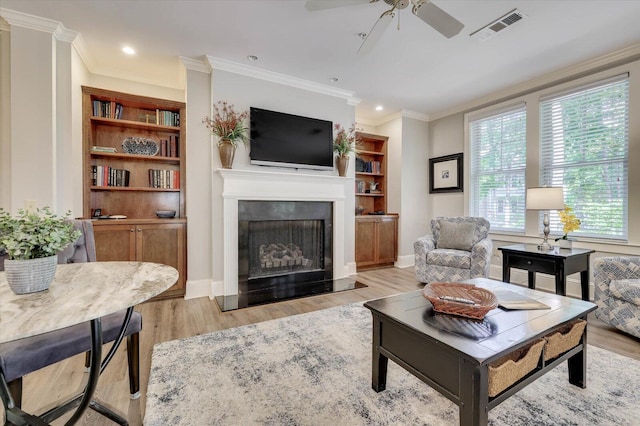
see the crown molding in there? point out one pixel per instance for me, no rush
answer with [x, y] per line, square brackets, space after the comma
[200, 65]
[274, 77]
[85, 54]
[37, 23]
[405, 113]
[4, 25]
[591, 66]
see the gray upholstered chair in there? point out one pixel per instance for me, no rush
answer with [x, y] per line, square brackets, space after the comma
[24, 356]
[457, 249]
[617, 292]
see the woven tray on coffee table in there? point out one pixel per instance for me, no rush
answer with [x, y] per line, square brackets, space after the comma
[465, 300]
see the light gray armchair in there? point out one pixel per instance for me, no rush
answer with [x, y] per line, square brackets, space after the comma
[457, 249]
[617, 292]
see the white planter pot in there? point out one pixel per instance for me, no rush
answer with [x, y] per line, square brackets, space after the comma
[31, 275]
[565, 243]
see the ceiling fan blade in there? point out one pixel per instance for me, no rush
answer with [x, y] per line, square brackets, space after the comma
[313, 5]
[440, 20]
[376, 32]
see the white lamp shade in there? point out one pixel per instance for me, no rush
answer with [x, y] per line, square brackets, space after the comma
[545, 198]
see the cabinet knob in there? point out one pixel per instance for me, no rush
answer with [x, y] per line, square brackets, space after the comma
[139, 230]
[131, 230]
[528, 262]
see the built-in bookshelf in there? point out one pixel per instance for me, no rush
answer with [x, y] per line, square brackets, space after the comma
[134, 166]
[371, 169]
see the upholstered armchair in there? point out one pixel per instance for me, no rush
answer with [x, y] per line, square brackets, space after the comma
[617, 292]
[457, 249]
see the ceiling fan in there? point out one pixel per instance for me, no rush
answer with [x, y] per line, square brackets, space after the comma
[437, 18]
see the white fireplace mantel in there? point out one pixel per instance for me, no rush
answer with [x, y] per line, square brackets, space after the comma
[269, 185]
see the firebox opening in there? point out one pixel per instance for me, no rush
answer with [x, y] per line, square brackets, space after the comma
[285, 250]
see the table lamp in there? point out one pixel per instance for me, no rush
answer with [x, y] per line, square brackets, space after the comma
[545, 198]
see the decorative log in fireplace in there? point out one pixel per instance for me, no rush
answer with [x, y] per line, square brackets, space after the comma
[287, 257]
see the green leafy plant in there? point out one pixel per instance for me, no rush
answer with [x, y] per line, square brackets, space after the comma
[32, 235]
[228, 124]
[345, 140]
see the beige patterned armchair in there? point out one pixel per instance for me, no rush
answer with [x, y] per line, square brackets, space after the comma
[457, 249]
[617, 292]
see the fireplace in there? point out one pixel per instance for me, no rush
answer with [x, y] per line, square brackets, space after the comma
[284, 249]
[313, 243]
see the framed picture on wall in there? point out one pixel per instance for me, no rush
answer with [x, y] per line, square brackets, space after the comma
[445, 174]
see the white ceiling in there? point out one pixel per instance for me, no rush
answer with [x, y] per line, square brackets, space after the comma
[413, 69]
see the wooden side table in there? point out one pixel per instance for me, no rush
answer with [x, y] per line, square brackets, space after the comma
[557, 262]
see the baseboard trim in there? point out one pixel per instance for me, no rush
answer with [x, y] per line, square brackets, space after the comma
[199, 288]
[405, 261]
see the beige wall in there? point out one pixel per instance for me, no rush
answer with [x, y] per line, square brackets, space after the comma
[407, 184]
[447, 136]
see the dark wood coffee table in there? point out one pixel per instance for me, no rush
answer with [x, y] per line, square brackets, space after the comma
[452, 354]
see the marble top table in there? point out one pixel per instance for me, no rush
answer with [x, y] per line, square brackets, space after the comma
[79, 293]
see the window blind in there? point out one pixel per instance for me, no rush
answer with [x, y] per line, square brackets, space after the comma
[498, 162]
[584, 148]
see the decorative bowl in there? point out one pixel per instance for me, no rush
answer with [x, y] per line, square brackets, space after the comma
[165, 214]
[461, 299]
[140, 146]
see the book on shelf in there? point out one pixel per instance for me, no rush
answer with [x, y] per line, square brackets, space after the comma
[108, 176]
[107, 109]
[169, 147]
[167, 118]
[368, 166]
[103, 149]
[512, 300]
[165, 179]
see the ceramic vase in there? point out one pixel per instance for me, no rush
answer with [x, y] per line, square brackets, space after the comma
[343, 165]
[30, 275]
[227, 151]
[562, 243]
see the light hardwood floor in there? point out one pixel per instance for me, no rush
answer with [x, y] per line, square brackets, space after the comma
[177, 318]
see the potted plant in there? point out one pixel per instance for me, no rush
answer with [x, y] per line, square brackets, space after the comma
[344, 143]
[570, 223]
[229, 126]
[31, 241]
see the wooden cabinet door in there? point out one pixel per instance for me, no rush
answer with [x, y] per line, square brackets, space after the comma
[365, 242]
[387, 232]
[163, 243]
[115, 242]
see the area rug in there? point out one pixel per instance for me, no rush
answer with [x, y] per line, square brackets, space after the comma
[315, 369]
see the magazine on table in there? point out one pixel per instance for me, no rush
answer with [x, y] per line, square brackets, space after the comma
[512, 300]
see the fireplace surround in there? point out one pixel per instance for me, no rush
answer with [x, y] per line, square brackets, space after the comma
[286, 189]
[284, 248]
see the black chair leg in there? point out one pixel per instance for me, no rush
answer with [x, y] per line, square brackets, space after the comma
[15, 387]
[133, 356]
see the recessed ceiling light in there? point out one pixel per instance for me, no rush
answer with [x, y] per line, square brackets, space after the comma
[362, 35]
[252, 57]
[334, 79]
[379, 108]
[128, 50]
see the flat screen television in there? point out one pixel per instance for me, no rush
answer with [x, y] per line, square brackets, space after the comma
[286, 140]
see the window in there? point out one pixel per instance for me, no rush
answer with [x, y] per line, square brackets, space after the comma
[584, 148]
[498, 162]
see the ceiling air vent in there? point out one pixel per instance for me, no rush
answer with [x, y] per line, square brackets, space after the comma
[498, 25]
